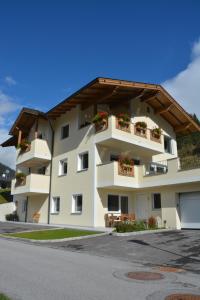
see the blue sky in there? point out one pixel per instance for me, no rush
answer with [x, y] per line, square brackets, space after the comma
[49, 49]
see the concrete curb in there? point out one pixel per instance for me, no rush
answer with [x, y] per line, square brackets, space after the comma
[55, 240]
[141, 232]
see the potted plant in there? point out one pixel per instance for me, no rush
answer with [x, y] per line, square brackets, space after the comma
[126, 166]
[24, 146]
[140, 128]
[123, 121]
[20, 178]
[156, 133]
[100, 120]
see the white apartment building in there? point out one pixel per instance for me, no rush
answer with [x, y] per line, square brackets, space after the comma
[74, 172]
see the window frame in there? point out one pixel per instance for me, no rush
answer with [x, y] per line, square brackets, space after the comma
[53, 206]
[153, 201]
[80, 164]
[74, 204]
[61, 131]
[166, 137]
[119, 202]
[60, 167]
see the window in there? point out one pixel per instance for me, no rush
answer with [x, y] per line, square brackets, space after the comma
[62, 167]
[55, 205]
[42, 171]
[114, 157]
[64, 131]
[77, 204]
[83, 161]
[168, 144]
[156, 201]
[113, 203]
[24, 206]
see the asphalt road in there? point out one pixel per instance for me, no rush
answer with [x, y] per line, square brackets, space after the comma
[28, 272]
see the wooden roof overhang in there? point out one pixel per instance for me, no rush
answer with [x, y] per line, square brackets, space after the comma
[24, 122]
[112, 91]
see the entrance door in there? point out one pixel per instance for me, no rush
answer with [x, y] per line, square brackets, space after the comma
[141, 206]
[124, 204]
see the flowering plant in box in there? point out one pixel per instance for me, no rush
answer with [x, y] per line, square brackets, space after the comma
[157, 132]
[100, 117]
[141, 124]
[126, 161]
[123, 119]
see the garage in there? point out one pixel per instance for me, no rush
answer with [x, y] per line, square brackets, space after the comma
[190, 210]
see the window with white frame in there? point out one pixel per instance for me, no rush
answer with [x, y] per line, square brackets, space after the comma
[55, 207]
[77, 203]
[64, 131]
[156, 201]
[63, 166]
[83, 161]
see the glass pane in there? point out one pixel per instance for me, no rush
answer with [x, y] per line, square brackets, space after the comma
[157, 201]
[113, 203]
[79, 203]
[65, 131]
[85, 161]
[124, 204]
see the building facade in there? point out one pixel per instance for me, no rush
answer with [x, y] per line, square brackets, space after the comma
[74, 171]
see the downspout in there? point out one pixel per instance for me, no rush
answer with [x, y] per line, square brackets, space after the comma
[26, 212]
[50, 183]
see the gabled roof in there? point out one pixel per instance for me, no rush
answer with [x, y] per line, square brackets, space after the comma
[107, 90]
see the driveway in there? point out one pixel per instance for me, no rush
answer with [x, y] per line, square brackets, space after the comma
[10, 227]
[174, 248]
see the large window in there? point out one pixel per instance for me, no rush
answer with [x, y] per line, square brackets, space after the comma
[156, 201]
[63, 166]
[55, 208]
[77, 204]
[113, 203]
[168, 144]
[64, 131]
[83, 162]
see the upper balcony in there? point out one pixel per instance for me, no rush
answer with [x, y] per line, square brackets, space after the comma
[35, 153]
[30, 184]
[112, 133]
[170, 172]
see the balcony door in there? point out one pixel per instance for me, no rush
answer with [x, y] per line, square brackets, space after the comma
[124, 204]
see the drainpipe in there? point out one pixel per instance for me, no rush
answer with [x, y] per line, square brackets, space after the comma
[52, 151]
[26, 212]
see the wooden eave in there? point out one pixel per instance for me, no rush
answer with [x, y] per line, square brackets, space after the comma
[12, 141]
[111, 91]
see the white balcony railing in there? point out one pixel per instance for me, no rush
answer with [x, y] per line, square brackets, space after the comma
[32, 184]
[37, 151]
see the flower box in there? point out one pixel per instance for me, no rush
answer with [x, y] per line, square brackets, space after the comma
[123, 122]
[100, 121]
[25, 146]
[156, 135]
[20, 179]
[141, 129]
[126, 167]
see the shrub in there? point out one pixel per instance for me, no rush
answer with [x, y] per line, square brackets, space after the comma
[12, 217]
[129, 227]
[152, 223]
[20, 175]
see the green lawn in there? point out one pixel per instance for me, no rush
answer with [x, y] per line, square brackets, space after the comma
[3, 297]
[52, 234]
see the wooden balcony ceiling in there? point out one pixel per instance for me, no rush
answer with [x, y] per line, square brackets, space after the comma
[112, 91]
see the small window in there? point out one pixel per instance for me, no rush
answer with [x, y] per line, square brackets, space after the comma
[42, 171]
[77, 204]
[168, 144]
[24, 206]
[65, 131]
[113, 203]
[63, 166]
[156, 201]
[83, 163]
[55, 205]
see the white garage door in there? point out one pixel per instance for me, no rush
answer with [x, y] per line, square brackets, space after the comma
[190, 210]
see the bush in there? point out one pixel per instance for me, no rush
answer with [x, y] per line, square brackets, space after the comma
[129, 227]
[152, 223]
[12, 217]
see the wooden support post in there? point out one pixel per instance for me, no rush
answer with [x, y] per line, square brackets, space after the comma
[19, 137]
[36, 129]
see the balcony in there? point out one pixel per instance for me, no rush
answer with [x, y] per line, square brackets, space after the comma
[36, 153]
[31, 184]
[170, 172]
[113, 174]
[111, 133]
